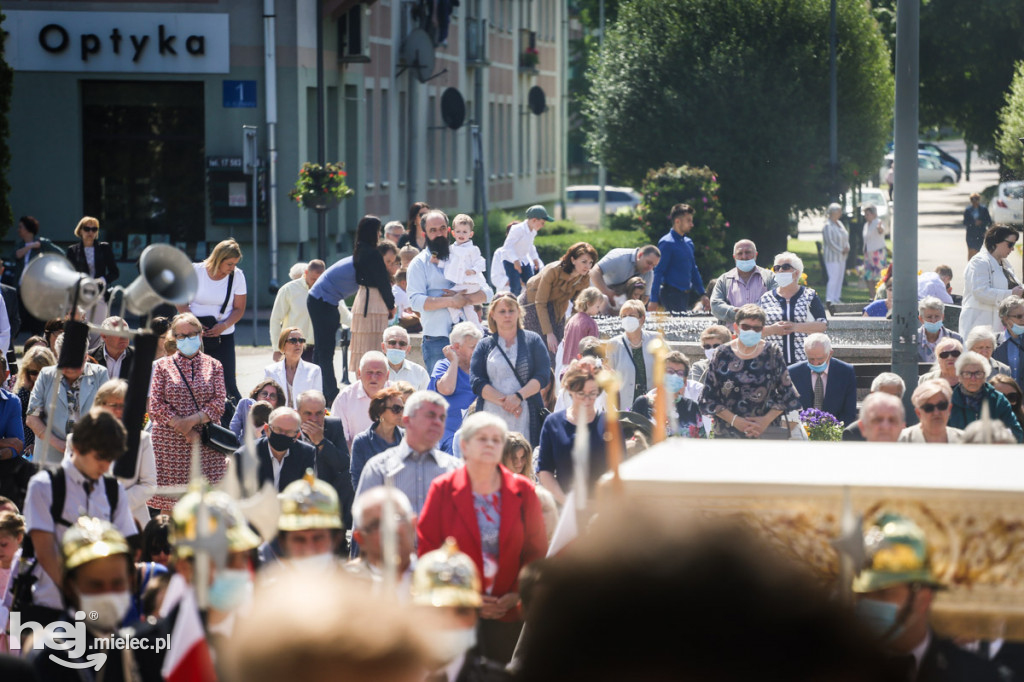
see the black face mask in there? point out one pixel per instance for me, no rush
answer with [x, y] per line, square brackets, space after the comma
[280, 442]
[439, 247]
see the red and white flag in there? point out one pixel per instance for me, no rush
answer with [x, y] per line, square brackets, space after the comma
[188, 658]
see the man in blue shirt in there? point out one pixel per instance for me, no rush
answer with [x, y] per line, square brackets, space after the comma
[676, 278]
[430, 291]
[451, 379]
[336, 284]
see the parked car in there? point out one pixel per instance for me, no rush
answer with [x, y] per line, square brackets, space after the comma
[1007, 207]
[582, 202]
[871, 195]
[945, 157]
[929, 169]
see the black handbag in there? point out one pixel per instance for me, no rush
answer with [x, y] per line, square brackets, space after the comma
[212, 343]
[212, 434]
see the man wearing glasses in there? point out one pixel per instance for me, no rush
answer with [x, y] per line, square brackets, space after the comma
[1011, 351]
[283, 459]
[745, 283]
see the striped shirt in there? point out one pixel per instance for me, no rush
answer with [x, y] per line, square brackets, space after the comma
[416, 471]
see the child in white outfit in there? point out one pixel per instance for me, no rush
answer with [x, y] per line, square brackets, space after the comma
[464, 267]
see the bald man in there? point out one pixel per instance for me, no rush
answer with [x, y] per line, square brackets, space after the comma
[743, 284]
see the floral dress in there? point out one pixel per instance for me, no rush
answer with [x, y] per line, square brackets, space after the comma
[169, 398]
[747, 387]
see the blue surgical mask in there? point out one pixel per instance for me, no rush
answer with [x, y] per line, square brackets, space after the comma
[746, 265]
[229, 589]
[188, 347]
[879, 617]
[1017, 329]
[935, 327]
[396, 356]
[818, 368]
[748, 337]
[674, 383]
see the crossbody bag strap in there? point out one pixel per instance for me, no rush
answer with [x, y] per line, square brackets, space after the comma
[185, 381]
[497, 344]
[227, 296]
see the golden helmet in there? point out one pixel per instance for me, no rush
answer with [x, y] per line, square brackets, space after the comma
[309, 503]
[446, 577]
[897, 554]
[223, 510]
[89, 539]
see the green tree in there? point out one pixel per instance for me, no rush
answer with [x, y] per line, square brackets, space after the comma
[741, 87]
[6, 88]
[1011, 125]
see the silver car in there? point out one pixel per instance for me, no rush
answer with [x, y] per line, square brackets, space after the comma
[1007, 207]
[582, 202]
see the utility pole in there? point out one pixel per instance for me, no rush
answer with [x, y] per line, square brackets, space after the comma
[602, 172]
[833, 106]
[904, 247]
[321, 143]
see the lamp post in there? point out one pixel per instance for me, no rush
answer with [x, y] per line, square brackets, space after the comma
[321, 144]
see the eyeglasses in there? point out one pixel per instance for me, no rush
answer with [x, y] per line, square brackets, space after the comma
[973, 375]
[299, 340]
[1018, 316]
[395, 409]
[182, 337]
[947, 354]
[676, 372]
[268, 395]
[587, 396]
[90, 229]
[748, 328]
[394, 343]
[783, 267]
[711, 346]
[931, 407]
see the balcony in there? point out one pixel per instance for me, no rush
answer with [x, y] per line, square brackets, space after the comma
[529, 57]
[476, 42]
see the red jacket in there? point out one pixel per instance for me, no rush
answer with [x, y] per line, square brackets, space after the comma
[448, 512]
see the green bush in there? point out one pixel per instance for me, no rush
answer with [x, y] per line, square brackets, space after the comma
[551, 247]
[624, 220]
[665, 187]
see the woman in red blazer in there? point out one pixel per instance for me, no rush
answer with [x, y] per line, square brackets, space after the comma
[495, 517]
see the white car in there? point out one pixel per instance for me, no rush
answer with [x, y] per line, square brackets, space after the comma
[929, 169]
[1007, 207]
[582, 202]
[880, 199]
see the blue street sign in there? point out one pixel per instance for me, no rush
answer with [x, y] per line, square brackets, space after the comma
[239, 94]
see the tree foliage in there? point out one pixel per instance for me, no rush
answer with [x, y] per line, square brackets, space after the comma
[6, 89]
[741, 87]
[1011, 125]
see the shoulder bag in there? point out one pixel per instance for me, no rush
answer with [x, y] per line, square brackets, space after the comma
[212, 434]
[211, 343]
[543, 412]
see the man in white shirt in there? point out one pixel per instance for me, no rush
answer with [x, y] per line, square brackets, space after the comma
[518, 244]
[353, 404]
[290, 309]
[116, 355]
[396, 347]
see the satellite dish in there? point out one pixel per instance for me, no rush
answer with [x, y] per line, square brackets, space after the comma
[453, 108]
[417, 53]
[537, 101]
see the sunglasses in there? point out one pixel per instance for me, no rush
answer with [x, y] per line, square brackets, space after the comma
[90, 229]
[748, 328]
[711, 346]
[947, 354]
[931, 407]
[298, 340]
[783, 267]
[395, 409]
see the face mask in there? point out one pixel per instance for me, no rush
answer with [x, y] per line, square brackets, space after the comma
[280, 442]
[879, 617]
[1017, 329]
[396, 356]
[674, 383]
[110, 608]
[317, 562]
[783, 279]
[630, 324]
[229, 589]
[710, 353]
[452, 643]
[188, 347]
[748, 337]
[746, 265]
[935, 327]
[818, 368]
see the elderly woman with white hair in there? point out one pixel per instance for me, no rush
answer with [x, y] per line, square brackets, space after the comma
[496, 519]
[451, 378]
[836, 243]
[930, 313]
[973, 392]
[947, 351]
[932, 404]
[983, 341]
[792, 310]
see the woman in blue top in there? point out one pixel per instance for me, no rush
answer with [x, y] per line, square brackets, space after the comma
[509, 369]
[386, 412]
[451, 379]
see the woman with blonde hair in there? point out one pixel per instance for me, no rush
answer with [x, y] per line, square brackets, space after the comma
[218, 304]
[932, 401]
[96, 259]
[588, 303]
[35, 359]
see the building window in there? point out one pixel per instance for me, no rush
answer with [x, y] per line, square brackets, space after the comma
[385, 137]
[368, 141]
[432, 138]
[522, 139]
[143, 151]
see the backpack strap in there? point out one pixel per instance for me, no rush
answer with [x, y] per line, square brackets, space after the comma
[59, 490]
[113, 493]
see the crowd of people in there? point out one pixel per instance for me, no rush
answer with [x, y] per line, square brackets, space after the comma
[465, 459]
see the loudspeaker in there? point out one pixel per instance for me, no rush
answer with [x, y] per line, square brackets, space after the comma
[166, 275]
[50, 286]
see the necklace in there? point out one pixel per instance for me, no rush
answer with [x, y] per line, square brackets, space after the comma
[747, 354]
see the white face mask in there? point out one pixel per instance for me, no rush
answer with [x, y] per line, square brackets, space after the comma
[110, 608]
[783, 279]
[452, 643]
[630, 324]
[317, 562]
[710, 353]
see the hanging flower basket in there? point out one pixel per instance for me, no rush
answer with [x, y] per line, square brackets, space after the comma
[321, 188]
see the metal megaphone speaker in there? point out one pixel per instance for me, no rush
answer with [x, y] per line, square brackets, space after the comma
[50, 285]
[166, 275]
